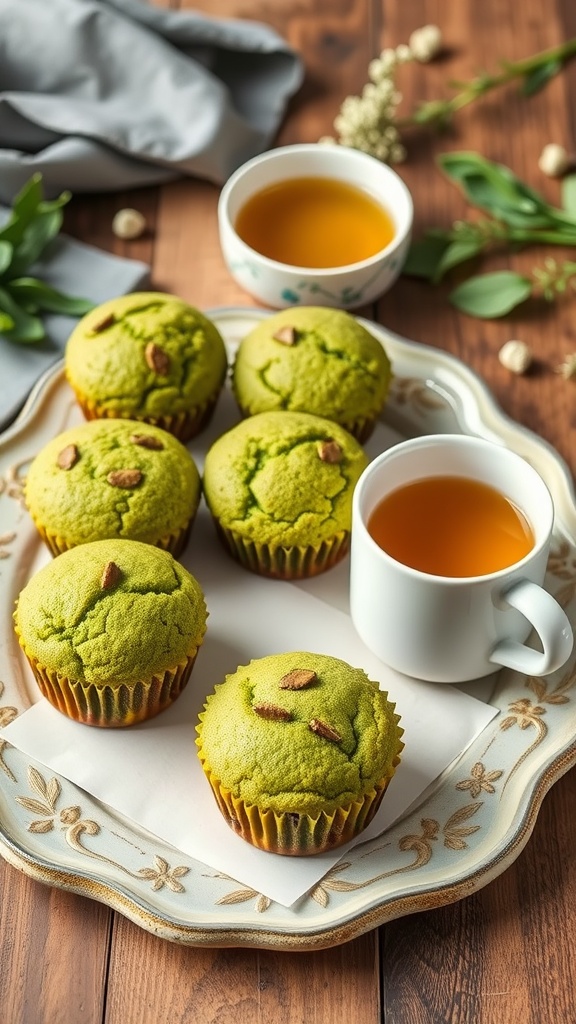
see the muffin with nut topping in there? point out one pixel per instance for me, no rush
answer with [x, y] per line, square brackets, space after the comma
[147, 356]
[111, 630]
[279, 486]
[299, 749]
[317, 360]
[113, 478]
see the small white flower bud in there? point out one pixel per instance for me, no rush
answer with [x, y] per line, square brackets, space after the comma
[128, 223]
[403, 53]
[515, 356]
[554, 160]
[425, 43]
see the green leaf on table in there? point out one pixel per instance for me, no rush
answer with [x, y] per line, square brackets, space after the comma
[25, 327]
[569, 193]
[492, 295]
[6, 251]
[424, 256]
[30, 293]
[6, 322]
[535, 80]
[496, 189]
[456, 253]
[36, 237]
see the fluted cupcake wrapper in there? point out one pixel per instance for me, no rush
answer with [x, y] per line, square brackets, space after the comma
[112, 706]
[285, 563]
[294, 834]
[183, 425]
[173, 542]
[361, 428]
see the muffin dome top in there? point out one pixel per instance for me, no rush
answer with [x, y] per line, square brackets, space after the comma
[283, 478]
[112, 611]
[299, 732]
[113, 478]
[312, 359]
[146, 354]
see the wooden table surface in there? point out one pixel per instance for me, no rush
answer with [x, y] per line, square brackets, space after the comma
[503, 954]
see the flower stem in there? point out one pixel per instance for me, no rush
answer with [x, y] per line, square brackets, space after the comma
[482, 84]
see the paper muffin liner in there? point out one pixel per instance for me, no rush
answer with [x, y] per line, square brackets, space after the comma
[183, 425]
[111, 706]
[173, 542]
[294, 834]
[361, 428]
[282, 562]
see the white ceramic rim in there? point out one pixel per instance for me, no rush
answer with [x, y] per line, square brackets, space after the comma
[403, 225]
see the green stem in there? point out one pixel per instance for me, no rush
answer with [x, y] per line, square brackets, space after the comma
[483, 84]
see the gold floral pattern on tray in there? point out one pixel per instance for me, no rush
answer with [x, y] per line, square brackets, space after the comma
[44, 804]
[469, 827]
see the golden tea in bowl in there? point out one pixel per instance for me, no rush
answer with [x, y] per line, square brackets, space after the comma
[315, 225]
[314, 222]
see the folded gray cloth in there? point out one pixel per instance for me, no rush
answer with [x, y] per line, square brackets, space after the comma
[76, 269]
[100, 95]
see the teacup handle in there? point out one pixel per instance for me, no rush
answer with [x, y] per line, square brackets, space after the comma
[551, 625]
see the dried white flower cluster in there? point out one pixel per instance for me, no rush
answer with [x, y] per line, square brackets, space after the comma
[367, 122]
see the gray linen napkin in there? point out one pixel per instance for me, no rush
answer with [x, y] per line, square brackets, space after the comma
[77, 269]
[100, 95]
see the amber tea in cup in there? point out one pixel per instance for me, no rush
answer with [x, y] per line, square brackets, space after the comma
[450, 541]
[451, 526]
[314, 222]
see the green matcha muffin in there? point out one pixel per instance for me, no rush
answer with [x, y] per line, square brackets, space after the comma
[111, 630]
[147, 356]
[279, 487]
[113, 478]
[316, 360]
[299, 749]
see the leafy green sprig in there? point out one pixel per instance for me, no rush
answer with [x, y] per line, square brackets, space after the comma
[517, 216]
[33, 223]
[532, 72]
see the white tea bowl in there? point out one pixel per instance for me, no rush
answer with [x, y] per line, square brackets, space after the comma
[280, 285]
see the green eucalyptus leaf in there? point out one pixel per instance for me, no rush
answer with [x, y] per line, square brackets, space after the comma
[6, 322]
[424, 256]
[30, 293]
[27, 328]
[23, 210]
[457, 252]
[569, 193]
[493, 295]
[6, 252]
[496, 189]
[535, 80]
[36, 237]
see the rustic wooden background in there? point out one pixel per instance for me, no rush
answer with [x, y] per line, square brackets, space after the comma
[504, 954]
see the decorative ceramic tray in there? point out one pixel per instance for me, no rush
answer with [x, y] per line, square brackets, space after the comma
[471, 825]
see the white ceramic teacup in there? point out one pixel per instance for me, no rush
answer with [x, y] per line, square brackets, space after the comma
[281, 285]
[451, 629]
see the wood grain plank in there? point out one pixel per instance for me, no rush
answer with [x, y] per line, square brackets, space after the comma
[503, 954]
[53, 954]
[228, 986]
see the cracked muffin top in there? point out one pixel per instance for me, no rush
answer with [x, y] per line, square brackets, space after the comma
[145, 355]
[283, 478]
[299, 732]
[111, 612]
[316, 360]
[112, 478]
